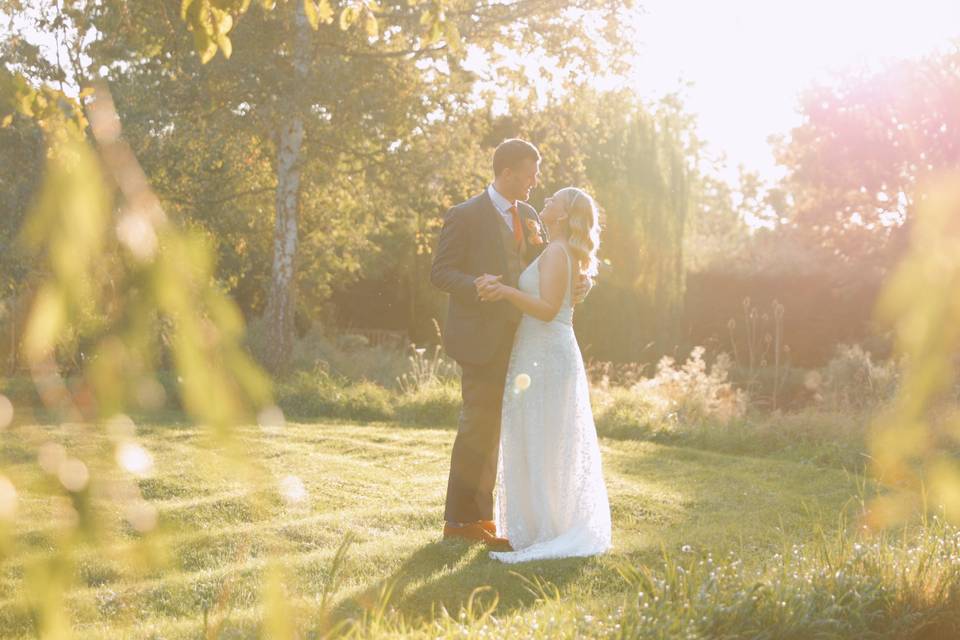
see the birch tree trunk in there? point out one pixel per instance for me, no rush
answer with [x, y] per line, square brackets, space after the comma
[281, 299]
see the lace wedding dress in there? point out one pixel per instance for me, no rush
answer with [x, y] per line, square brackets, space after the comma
[550, 498]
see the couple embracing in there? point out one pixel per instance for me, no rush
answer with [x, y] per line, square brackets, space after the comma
[525, 472]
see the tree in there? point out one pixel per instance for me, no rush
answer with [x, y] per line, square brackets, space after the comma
[866, 144]
[476, 23]
[295, 71]
[618, 149]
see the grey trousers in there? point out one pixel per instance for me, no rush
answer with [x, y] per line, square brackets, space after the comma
[473, 463]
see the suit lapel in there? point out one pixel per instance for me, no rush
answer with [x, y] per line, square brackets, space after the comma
[492, 223]
[531, 251]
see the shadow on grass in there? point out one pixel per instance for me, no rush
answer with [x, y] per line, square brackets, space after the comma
[442, 576]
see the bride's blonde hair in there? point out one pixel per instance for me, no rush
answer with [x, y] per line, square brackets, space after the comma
[584, 223]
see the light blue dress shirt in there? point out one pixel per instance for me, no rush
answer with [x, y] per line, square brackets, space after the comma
[502, 204]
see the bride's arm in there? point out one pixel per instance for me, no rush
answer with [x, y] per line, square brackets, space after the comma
[553, 286]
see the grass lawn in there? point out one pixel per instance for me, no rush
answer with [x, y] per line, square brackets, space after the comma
[383, 486]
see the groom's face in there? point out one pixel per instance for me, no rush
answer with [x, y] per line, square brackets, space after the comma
[523, 179]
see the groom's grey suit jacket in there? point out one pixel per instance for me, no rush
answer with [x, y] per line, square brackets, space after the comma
[474, 241]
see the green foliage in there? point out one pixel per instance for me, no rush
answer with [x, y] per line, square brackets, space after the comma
[317, 394]
[427, 369]
[21, 169]
[106, 277]
[620, 412]
[690, 392]
[868, 144]
[915, 438]
[437, 403]
[347, 356]
[849, 585]
[639, 161]
[811, 435]
[20, 390]
[852, 380]
[212, 20]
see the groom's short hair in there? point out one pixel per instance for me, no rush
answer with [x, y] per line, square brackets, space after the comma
[510, 154]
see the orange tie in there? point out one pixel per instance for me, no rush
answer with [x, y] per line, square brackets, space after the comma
[517, 231]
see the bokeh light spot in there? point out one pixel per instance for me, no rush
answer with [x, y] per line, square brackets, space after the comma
[6, 411]
[8, 499]
[50, 456]
[521, 383]
[73, 474]
[292, 489]
[134, 459]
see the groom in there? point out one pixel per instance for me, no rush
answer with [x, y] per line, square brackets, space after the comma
[492, 236]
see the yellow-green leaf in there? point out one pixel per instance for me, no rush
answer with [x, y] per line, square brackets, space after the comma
[225, 23]
[310, 10]
[348, 16]
[325, 11]
[44, 324]
[184, 8]
[225, 45]
[204, 45]
[371, 26]
[453, 36]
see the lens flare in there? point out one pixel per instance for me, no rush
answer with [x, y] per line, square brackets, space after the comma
[8, 499]
[6, 411]
[292, 489]
[73, 474]
[142, 516]
[135, 459]
[121, 426]
[521, 383]
[271, 416]
[50, 456]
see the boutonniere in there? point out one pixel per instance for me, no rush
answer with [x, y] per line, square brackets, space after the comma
[534, 227]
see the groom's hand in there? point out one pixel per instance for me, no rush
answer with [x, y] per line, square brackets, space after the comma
[487, 286]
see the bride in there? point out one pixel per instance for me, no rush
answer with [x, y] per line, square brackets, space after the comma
[551, 500]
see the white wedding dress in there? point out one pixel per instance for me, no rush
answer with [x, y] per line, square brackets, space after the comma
[550, 497]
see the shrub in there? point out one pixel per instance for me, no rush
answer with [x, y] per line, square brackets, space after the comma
[434, 404]
[427, 368]
[604, 374]
[693, 392]
[20, 389]
[315, 394]
[852, 380]
[345, 355]
[622, 412]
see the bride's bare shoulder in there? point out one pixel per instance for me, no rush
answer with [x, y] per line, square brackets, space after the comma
[554, 258]
[556, 250]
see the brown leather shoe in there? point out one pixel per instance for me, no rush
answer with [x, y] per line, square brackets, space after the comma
[474, 532]
[489, 525]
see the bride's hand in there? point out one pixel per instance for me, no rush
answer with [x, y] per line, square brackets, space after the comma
[495, 292]
[581, 288]
[485, 285]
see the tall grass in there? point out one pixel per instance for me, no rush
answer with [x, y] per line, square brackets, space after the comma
[852, 584]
